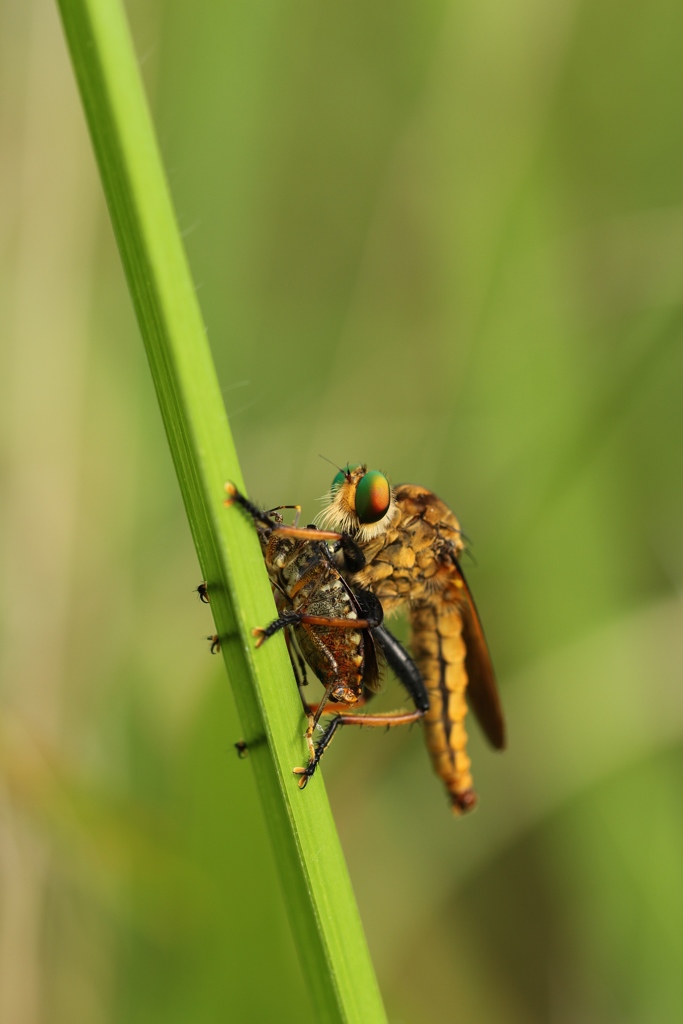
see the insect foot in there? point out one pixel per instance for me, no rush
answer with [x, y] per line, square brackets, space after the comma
[305, 774]
[230, 491]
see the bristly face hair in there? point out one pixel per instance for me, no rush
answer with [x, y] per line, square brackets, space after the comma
[365, 514]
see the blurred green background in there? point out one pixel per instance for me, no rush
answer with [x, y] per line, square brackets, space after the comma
[445, 239]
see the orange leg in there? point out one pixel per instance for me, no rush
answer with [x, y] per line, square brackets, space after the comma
[233, 495]
[304, 533]
[379, 720]
[334, 709]
[290, 618]
[354, 559]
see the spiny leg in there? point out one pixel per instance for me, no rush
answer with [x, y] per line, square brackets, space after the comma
[407, 672]
[308, 533]
[317, 752]
[379, 720]
[292, 618]
[403, 666]
[314, 717]
[233, 495]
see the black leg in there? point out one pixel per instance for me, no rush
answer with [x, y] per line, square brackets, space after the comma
[354, 559]
[408, 674]
[286, 618]
[257, 514]
[291, 618]
[403, 665]
[381, 720]
[306, 773]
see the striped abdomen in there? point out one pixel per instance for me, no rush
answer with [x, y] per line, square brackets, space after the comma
[439, 651]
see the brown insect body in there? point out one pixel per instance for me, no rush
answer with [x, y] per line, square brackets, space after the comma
[412, 560]
[334, 624]
[308, 582]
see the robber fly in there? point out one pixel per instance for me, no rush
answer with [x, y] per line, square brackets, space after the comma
[412, 543]
[337, 627]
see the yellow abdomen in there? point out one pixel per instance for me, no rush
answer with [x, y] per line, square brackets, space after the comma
[439, 651]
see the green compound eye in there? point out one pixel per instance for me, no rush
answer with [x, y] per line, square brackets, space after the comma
[341, 477]
[373, 497]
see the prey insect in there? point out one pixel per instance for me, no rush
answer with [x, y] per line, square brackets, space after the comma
[337, 628]
[412, 542]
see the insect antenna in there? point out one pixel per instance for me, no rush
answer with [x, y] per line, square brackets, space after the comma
[330, 462]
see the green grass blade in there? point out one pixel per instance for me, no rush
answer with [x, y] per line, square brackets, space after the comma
[321, 904]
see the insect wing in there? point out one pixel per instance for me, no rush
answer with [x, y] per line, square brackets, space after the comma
[371, 668]
[482, 692]
[371, 673]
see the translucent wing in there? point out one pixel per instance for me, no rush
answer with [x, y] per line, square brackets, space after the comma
[482, 692]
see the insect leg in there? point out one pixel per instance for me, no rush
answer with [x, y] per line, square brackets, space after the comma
[306, 773]
[354, 558]
[313, 719]
[388, 720]
[298, 663]
[324, 620]
[281, 508]
[254, 511]
[332, 673]
[306, 533]
[299, 667]
[334, 709]
[297, 532]
[286, 618]
[290, 618]
[403, 665]
[382, 719]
